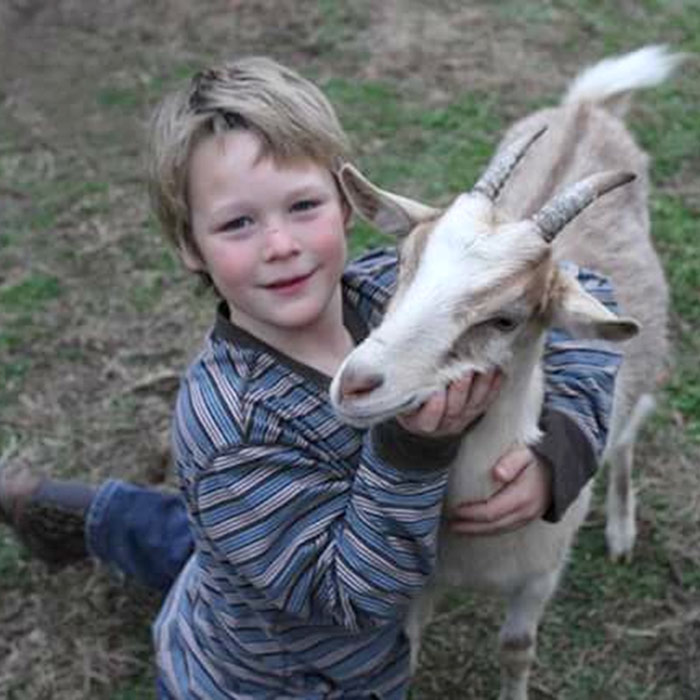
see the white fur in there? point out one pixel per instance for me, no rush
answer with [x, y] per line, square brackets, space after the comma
[643, 68]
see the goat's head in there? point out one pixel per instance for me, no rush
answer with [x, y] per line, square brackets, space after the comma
[471, 289]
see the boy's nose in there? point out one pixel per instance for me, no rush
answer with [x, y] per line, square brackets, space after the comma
[280, 242]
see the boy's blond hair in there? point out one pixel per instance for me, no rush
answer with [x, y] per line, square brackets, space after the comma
[289, 114]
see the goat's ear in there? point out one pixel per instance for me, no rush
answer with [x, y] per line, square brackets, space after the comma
[584, 316]
[389, 212]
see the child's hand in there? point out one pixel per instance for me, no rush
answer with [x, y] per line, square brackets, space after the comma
[451, 411]
[524, 496]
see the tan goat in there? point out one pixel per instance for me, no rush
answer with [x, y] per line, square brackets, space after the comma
[479, 284]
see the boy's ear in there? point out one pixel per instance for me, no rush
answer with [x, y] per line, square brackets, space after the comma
[190, 257]
[582, 315]
[389, 212]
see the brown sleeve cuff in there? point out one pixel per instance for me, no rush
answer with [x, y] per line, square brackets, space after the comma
[570, 456]
[405, 450]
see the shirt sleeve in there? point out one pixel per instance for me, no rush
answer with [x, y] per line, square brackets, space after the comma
[579, 386]
[316, 542]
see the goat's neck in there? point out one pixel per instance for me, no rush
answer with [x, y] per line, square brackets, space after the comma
[510, 421]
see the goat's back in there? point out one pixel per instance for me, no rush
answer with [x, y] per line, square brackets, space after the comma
[612, 236]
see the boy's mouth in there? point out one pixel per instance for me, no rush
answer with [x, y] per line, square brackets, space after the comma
[289, 283]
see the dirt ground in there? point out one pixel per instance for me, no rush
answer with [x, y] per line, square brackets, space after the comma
[77, 81]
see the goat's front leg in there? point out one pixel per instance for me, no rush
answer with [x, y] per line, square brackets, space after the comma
[621, 525]
[524, 608]
[419, 615]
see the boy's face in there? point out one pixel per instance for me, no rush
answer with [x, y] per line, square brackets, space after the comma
[272, 237]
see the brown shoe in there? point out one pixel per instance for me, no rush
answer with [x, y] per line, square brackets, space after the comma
[47, 516]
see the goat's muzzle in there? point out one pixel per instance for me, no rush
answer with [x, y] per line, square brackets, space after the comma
[354, 383]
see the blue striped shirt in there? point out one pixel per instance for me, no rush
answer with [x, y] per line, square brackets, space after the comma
[309, 547]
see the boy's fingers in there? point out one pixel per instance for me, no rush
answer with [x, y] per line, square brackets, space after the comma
[454, 408]
[479, 389]
[522, 499]
[427, 417]
[496, 508]
[496, 382]
[511, 465]
[506, 524]
[458, 395]
[484, 389]
[433, 411]
[506, 511]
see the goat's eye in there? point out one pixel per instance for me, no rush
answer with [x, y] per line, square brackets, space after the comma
[503, 323]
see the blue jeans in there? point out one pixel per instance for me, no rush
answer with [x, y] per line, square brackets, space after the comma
[141, 532]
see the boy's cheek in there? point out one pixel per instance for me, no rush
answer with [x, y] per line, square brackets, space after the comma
[331, 237]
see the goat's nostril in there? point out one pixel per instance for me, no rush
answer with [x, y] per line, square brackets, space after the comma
[356, 384]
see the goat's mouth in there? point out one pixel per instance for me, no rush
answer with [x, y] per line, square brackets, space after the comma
[363, 412]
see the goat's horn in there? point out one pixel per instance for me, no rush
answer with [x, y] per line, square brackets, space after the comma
[500, 168]
[574, 199]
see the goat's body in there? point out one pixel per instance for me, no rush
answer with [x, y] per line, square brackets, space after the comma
[478, 286]
[616, 241]
[502, 563]
[524, 566]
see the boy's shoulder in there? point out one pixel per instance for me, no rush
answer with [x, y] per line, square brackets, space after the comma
[239, 392]
[240, 404]
[377, 265]
[369, 281]
[234, 365]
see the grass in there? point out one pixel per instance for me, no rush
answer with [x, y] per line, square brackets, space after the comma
[676, 226]
[91, 302]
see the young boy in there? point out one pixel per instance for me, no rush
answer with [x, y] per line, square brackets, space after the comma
[309, 537]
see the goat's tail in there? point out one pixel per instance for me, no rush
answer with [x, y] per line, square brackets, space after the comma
[610, 82]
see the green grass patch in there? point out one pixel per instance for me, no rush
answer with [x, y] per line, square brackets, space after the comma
[438, 151]
[592, 577]
[11, 564]
[149, 250]
[138, 689]
[21, 306]
[669, 127]
[424, 154]
[120, 97]
[30, 295]
[676, 233]
[52, 196]
[368, 110]
[144, 295]
[339, 23]
[363, 237]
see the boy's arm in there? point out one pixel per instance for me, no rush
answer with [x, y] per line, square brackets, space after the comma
[325, 541]
[579, 386]
[302, 536]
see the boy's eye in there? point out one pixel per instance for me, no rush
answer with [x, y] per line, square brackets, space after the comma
[240, 222]
[305, 204]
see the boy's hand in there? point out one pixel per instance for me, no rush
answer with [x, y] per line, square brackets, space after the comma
[451, 411]
[524, 496]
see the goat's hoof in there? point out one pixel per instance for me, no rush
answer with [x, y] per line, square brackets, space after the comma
[620, 539]
[620, 557]
[619, 553]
